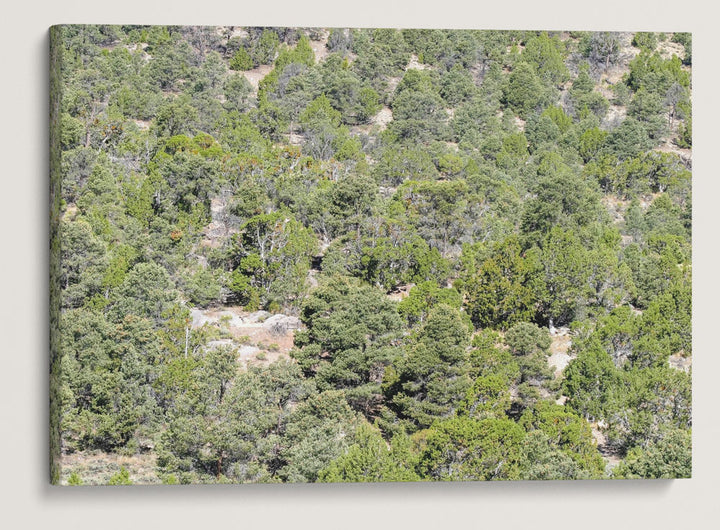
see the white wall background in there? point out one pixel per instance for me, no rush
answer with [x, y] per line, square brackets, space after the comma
[26, 499]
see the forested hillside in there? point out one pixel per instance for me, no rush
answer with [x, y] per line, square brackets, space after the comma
[301, 255]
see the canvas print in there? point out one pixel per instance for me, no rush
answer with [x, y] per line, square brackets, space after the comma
[349, 255]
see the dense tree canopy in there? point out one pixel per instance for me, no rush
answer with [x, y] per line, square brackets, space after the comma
[471, 252]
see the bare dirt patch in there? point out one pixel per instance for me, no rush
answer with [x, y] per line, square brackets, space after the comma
[392, 83]
[231, 31]
[605, 90]
[614, 117]
[647, 200]
[609, 454]
[96, 468]
[222, 223]
[680, 362]
[259, 337]
[415, 64]
[295, 139]
[319, 47]
[667, 49]
[143, 125]
[256, 75]
[401, 292]
[382, 118]
[312, 280]
[616, 207]
[453, 146]
[559, 357]
[70, 212]
[668, 146]
[627, 53]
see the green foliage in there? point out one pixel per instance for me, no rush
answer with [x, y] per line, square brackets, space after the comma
[265, 48]
[546, 55]
[645, 40]
[147, 291]
[640, 401]
[686, 40]
[648, 109]
[303, 53]
[655, 74]
[591, 143]
[468, 449]
[501, 196]
[685, 134]
[236, 434]
[423, 297]
[106, 404]
[396, 165]
[527, 339]
[565, 264]
[442, 211]
[601, 48]
[389, 262]
[74, 479]
[272, 259]
[525, 92]
[319, 431]
[82, 260]
[562, 199]
[567, 432]
[488, 358]
[382, 53]
[202, 288]
[418, 109]
[354, 98]
[121, 478]
[318, 112]
[237, 91]
[647, 172]
[241, 60]
[489, 397]
[650, 401]
[529, 344]
[544, 460]
[589, 382]
[561, 120]
[352, 199]
[347, 344]
[371, 460]
[584, 98]
[457, 86]
[430, 381]
[502, 291]
[668, 458]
